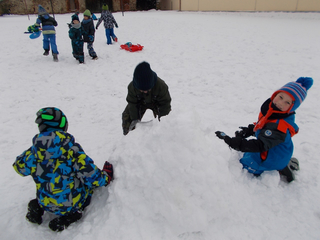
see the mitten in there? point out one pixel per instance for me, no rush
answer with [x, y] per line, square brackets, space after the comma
[220, 135]
[245, 132]
[116, 25]
[91, 38]
[108, 168]
[97, 27]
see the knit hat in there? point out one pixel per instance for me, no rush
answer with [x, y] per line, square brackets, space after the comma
[143, 77]
[87, 13]
[50, 119]
[74, 17]
[42, 11]
[297, 91]
[105, 7]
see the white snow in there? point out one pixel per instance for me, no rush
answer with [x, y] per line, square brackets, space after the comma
[174, 179]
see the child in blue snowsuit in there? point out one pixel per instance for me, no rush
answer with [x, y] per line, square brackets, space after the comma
[75, 34]
[88, 33]
[48, 31]
[272, 147]
[109, 21]
[65, 176]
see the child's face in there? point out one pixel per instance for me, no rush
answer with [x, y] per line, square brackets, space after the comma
[75, 21]
[86, 17]
[282, 101]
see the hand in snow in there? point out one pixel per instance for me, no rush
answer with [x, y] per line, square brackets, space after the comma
[108, 168]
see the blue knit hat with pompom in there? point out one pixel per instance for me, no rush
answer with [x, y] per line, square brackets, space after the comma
[42, 11]
[297, 90]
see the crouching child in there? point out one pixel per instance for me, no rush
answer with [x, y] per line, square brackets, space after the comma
[272, 147]
[65, 176]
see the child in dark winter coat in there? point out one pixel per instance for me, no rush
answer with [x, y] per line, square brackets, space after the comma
[272, 148]
[88, 32]
[75, 34]
[64, 174]
[109, 21]
[48, 31]
[145, 91]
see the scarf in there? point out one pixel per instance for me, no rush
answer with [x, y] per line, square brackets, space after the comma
[269, 112]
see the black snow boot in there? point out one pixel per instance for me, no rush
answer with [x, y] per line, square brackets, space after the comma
[287, 173]
[35, 212]
[294, 164]
[61, 223]
[55, 57]
[46, 52]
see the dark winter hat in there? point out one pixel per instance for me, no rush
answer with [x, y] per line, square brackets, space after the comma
[297, 91]
[41, 11]
[105, 7]
[74, 17]
[87, 13]
[143, 77]
[50, 119]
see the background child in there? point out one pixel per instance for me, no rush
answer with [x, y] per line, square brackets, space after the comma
[145, 91]
[272, 149]
[75, 34]
[88, 32]
[48, 31]
[109, 21]
[64, 175]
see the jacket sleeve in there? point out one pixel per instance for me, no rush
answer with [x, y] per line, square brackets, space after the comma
[24, 164]
[163, 100]
[268, 138]
[133, 105]
[86, 170]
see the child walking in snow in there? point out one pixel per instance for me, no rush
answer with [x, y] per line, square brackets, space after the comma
[145, 91]
[272, 147]
[109, 21]
[88, 32]
[48, 31]
[64, 175]
[75, 34]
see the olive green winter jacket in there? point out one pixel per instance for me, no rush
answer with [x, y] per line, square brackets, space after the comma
[158, 99]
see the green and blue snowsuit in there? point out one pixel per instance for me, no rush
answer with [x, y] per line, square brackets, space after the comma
[75, 34]
[64, 175]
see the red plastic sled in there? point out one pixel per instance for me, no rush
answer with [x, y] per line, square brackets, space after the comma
[131, 48]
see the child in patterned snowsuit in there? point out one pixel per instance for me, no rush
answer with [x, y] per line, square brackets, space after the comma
[65, 176]
[272, 148]
[88, 31]
[145, 91]
[109, 21]
[75, 34]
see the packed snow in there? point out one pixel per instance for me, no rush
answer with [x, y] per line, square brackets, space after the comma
[174, 179]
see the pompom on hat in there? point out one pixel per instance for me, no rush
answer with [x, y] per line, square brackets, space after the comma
[143, 77]
[51, 119]
[42, 11]
[297, 91]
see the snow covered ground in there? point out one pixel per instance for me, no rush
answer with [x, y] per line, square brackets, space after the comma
[173, 179]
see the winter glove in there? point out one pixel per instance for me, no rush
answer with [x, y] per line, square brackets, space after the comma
[245, 132]
[96, 27]
[108, 168]
[91, 38]
[232, 142]
[116, 25]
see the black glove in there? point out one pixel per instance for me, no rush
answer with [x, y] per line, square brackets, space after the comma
[97, 27]
[221, 135]
[116, 25]
[232, 142]
[245, 132]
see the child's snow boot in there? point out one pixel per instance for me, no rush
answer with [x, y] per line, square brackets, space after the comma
[294, 164]
[46, 52]
[35, 212]
[287, 173]
[55, 57]
[61, 223]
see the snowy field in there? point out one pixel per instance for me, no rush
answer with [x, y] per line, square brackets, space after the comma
[174, 179]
